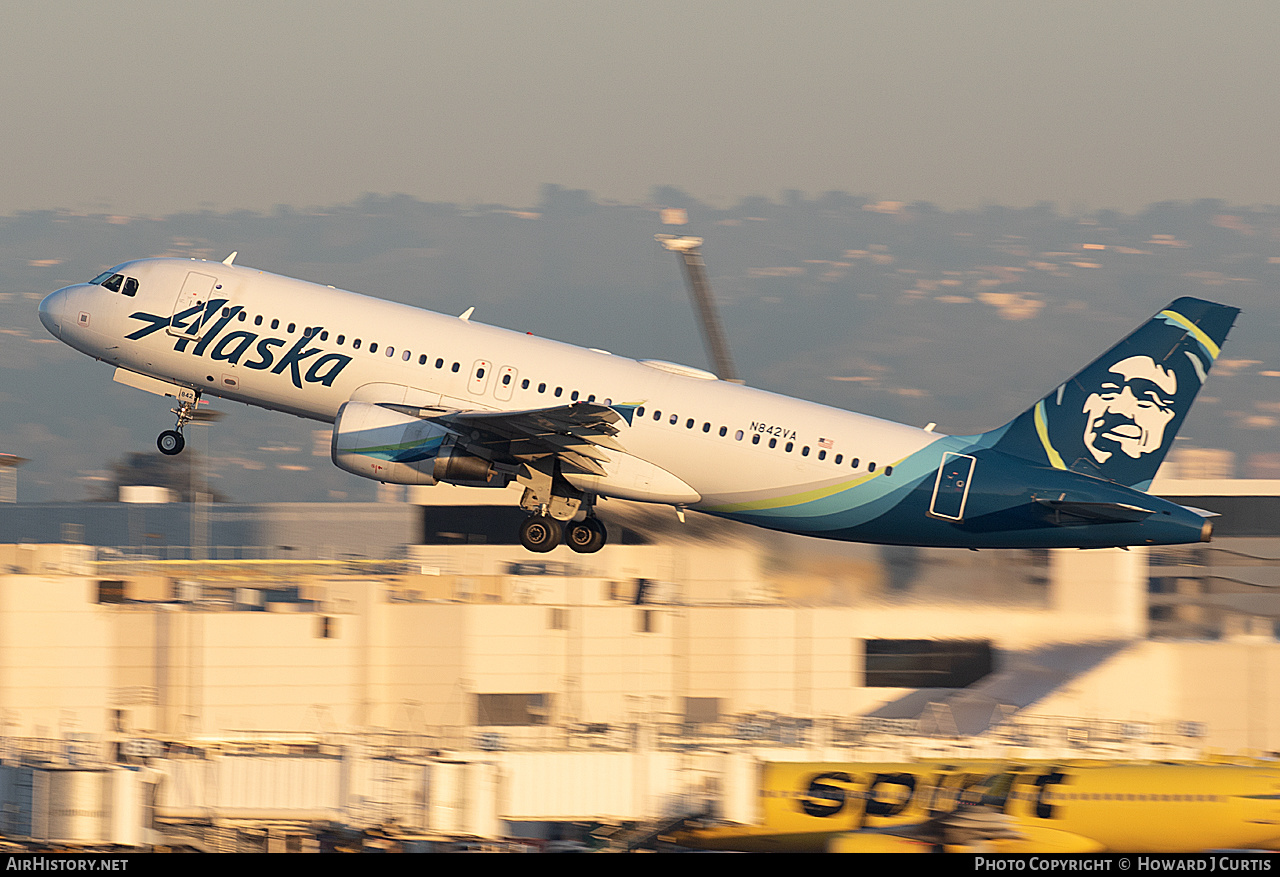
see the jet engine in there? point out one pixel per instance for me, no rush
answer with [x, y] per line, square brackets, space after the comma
[390, 446]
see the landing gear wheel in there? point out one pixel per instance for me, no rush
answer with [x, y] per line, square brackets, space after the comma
[540, 533]
[171, 442]
[586, 536]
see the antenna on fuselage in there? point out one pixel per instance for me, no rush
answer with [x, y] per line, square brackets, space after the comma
[231, 258]
[690, 251]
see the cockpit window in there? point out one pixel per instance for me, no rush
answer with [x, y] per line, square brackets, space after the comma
[116, 283]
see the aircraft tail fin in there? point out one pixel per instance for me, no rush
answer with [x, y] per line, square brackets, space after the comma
[1117, 418]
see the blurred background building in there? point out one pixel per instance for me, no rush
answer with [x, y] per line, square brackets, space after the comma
[253, 676]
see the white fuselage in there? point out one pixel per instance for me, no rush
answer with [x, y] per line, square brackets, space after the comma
[727, 443]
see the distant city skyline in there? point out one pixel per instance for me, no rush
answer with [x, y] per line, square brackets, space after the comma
[157, 108]
[918, 316]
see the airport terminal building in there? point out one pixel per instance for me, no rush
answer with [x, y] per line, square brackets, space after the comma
[403, 663]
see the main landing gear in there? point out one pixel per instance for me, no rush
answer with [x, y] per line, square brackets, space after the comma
[541, 533]
[586, 536]
[551, 499]
[171, 442]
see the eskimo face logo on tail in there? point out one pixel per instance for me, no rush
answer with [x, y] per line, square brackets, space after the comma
[1129, 412]
[297, 360]
[1116, 419]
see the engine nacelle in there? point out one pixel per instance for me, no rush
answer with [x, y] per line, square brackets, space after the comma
[376, 442]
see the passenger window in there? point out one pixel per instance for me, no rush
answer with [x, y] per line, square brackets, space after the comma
[888, 470]
[341, 340]
[573, 397]
[439, 363]
[292, 326]
[822, 455]
[524, 385]
[373, 346]
[773, 442]
[422, 360]
[242, 316]
[559, 390]
[257, 321]
[355, 344]
[542, 388]
[737, 436]
[688, 424]
[506, 380]
[324, 336]
[755, 439]
[706, 427]
[674, 419]
[790, 445]
[455, 368]
[275, 324]
[839, 459]
[480, 373]
[871, 467]
[131, 288]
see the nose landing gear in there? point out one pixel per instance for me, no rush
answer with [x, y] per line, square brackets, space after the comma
[171, 442]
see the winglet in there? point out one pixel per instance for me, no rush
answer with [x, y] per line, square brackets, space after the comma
[231, 258]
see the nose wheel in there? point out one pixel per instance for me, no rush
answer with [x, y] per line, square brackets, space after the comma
[171, 442]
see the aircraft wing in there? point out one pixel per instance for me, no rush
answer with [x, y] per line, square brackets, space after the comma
[579, 434]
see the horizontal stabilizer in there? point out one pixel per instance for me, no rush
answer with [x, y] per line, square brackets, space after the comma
[1094, 512]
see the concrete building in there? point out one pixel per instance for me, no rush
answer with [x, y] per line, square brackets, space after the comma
[355, 663]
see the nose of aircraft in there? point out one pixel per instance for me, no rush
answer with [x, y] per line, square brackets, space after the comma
[52, 309]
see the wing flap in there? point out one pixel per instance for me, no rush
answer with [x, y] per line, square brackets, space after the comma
[578, 434]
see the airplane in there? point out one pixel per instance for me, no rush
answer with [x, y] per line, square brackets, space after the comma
[1005, 807]
[417, 397]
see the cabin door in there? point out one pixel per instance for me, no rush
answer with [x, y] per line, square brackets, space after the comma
[188, 318]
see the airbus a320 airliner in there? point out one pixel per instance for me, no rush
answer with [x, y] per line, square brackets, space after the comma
[421, 398]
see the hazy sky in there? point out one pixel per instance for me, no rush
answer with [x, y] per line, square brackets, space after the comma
[156, 106]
